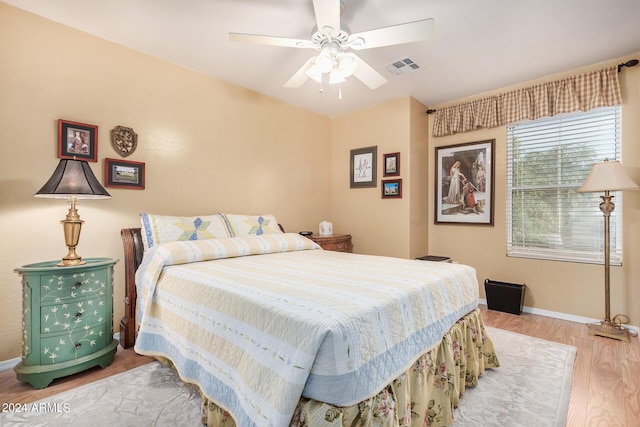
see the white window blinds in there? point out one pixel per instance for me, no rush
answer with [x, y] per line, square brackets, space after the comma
[547, 161]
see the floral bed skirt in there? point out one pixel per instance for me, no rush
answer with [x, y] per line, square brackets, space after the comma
[425, 395]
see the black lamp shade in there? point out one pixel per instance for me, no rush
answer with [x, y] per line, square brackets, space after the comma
[73, 178]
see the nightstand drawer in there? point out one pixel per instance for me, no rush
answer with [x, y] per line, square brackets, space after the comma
[72, 316]
[338, 247]
[59, 288]
[336, 242]
[60, 348]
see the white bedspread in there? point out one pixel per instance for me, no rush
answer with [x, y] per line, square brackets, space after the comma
[263, 320]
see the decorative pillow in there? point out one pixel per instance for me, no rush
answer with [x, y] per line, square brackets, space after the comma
[157, 229]
[244, 225]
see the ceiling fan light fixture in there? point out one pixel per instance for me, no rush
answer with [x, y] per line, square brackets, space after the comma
[335, 76]
[347, 64]
[324, 62]
[314, 73]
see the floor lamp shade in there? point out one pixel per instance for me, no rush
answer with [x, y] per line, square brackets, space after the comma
[605, 177]
[72, 180]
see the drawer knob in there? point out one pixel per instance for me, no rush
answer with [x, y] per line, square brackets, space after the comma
[77, 285]
[78, 345]
[78, 315]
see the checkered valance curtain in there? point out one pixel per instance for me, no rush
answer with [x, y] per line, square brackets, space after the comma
[578, 93]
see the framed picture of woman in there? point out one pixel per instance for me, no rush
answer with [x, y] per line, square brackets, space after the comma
[464, 183]
[77, 140]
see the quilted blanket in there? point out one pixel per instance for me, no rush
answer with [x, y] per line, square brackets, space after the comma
[257, 322]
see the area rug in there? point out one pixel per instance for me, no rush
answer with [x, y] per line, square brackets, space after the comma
[531, 388]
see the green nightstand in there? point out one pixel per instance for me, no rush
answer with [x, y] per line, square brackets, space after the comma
[67, 319]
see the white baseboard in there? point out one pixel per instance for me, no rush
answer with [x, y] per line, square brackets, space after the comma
[5, 365]
[561, 316]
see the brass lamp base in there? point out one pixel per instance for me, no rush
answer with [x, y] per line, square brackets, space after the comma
[72, 224]
[608, 329]
[71, 259]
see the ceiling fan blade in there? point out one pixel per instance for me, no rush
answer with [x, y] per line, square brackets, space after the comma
[301, 75]
[367, 75]
[396, 34]
[270, 40]
[327, 14]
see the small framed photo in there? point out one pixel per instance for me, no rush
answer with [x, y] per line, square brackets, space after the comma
[464, 183]
[392, 189]
[392, 164]
[123, 174]
[364, 163]
[77, 140]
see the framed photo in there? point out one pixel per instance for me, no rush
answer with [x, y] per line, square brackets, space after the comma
[123, 174]
[77, 140]
[392, 189]
[363, 167]
[464, 183]
[392, 164]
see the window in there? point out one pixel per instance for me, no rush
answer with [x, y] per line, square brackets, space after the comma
[547, 161]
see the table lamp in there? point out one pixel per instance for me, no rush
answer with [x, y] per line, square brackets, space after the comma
[605, 177]
[72, 180]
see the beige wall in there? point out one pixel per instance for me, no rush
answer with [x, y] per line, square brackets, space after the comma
[571, 288]
[390, 227]
[420, 193]
[208, 147]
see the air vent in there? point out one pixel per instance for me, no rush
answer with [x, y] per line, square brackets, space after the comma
[402, 66]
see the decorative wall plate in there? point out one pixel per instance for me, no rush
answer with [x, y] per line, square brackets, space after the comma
[124, 140]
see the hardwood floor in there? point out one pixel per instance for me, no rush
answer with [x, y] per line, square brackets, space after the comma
[605, 389]
[14, 391]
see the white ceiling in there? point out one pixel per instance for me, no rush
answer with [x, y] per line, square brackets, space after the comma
[479, 45]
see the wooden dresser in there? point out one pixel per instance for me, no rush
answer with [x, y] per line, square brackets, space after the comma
[335, 242]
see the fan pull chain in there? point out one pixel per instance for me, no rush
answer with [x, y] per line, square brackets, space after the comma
[340, 91]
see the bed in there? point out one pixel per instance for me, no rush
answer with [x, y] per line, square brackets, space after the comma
[276, 331]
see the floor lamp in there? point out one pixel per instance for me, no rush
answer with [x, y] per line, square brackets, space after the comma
[605, 177]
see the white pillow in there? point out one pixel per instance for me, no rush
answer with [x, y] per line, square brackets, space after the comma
[245, 225]
[157, 229]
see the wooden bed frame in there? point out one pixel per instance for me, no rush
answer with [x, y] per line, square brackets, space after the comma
[133, 252]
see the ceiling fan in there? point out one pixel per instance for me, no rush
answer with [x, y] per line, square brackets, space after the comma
[333, 42]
